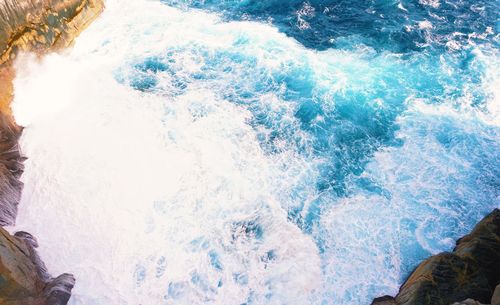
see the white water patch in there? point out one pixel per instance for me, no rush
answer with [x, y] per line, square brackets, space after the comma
[425, 24]
[491, 83]
[444, 177]
[374, 236]
[115, 196]
[148, 199]
[431, 3]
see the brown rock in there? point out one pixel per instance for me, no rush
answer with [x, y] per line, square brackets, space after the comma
[443, 279]
[6, 88]
[23, 276]
[42, 25]
[385, 300]
[482, 246]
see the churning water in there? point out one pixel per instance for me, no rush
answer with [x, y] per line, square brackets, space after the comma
[260, 152]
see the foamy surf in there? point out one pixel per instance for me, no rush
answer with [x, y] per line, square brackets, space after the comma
[175, 158]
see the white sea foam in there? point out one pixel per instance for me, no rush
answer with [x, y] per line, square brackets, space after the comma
[431, 3]
[425, 25]
[149, 199]
[162, 198]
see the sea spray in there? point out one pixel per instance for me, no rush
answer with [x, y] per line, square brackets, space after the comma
[178, 158]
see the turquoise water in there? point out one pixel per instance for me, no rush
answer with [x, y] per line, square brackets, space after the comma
[354, 104]
[351, 139]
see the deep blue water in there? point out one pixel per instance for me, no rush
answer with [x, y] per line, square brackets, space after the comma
[394, 109]
[383, 25]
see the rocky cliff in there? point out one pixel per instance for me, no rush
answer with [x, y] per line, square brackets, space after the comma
[36, 26]
[467, 275]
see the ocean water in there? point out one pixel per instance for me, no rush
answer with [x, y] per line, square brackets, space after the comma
[260, 152]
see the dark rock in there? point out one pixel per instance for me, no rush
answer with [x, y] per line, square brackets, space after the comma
[58, 291]
[482, 246]
[385, 300]
[11, 168]
[443, 279]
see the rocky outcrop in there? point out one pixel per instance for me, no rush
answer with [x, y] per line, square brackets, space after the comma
[482, 246]
[23, 276]
[37, 26]
[41, 25]
[471, 271]
[444, 279]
